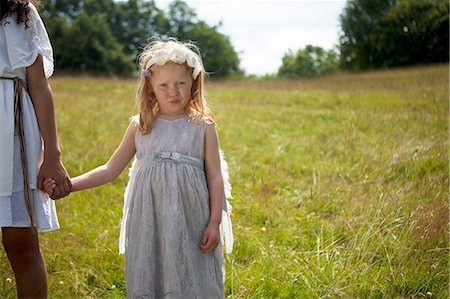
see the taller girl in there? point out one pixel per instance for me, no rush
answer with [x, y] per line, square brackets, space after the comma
[29, 149]
[174, 199]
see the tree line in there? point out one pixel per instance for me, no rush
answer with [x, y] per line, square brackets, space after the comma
[378, 34]
[105, 36]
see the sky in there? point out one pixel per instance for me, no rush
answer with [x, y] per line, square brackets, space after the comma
[262, 31]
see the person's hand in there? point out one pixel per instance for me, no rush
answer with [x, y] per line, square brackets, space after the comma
[211, 238]
[49, 185]
[55, 169]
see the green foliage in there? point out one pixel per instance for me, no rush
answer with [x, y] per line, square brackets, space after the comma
[82, 39]
[413, 32]
[182, 18]
[219, 57]
[386, 33]
[308, 62]
[88, 45]
[133, 22]
[357, 21]
[106, 36]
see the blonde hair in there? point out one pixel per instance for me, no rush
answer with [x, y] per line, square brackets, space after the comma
[196, 108]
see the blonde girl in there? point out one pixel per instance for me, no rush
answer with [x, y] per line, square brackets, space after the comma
[175, 197]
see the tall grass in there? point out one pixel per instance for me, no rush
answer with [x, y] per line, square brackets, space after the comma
[340, 186]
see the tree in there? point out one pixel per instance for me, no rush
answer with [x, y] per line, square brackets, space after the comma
[105, 36]
[383, 33]
[67, 9]
[88, 45]
[133, 22]
[182, 19]
[308, 62]
[413, 32]
[82, 39]
[358, 21]
[218, 55]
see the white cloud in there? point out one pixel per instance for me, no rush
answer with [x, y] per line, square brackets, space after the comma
[263, 31]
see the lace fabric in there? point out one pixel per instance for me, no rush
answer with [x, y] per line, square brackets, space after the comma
[165, 213]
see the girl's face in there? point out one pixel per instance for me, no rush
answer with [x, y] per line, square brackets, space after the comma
[171, 84]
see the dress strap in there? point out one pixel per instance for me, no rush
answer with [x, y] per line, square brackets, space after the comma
[19, 85]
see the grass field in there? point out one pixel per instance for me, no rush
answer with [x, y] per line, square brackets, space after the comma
[340, 186]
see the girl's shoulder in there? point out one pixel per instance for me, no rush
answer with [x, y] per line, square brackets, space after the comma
[203, 121]
[133, 126]
[134, 120]
[205, 126]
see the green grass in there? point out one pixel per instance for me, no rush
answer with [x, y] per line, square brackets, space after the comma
[340, 186]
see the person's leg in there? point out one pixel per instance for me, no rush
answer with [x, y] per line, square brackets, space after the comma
[22, 248]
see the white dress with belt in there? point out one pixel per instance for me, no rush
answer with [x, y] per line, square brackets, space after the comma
[19, 48]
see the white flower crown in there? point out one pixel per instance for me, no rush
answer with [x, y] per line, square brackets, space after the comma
[162, 56]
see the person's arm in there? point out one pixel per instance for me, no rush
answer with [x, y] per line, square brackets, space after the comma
[211, 236]
[42, 97]
[113, 168]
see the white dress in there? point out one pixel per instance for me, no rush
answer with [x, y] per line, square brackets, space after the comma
[166, 212]
[19, 48]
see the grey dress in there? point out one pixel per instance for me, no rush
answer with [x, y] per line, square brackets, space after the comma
[167, 205]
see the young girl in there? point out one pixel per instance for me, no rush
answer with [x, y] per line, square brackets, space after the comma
[174, 199]
[26, 115]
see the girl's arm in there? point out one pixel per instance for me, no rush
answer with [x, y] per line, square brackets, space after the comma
[111, 170]
[211, 236]
[42, 97]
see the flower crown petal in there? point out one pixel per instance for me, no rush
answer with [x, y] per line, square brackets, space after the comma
[191, 61]
[178, 55]
[195, 72]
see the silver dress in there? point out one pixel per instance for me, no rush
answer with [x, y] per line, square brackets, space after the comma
[167, 211]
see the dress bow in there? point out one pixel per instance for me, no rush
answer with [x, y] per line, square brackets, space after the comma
[174, 156]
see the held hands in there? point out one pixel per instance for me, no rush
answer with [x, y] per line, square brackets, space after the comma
[55, 170]
[211, 238]
[49, 186]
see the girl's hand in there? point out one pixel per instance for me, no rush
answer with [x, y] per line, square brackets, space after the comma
[49, 186]
[211, 238]
[56, 170]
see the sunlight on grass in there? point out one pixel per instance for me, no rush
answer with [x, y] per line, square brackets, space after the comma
[340, 186]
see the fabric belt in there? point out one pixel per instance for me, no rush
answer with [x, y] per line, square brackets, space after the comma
[174, 156]
[181, 158]
[19, 85]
